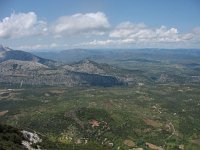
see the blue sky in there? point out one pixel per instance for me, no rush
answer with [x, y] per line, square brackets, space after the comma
[65, 24]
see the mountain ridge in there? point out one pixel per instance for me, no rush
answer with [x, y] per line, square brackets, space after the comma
[6, 54]
[18, 67]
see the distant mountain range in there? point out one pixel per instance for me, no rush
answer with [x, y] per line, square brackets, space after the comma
[19, 67]
[99, 55]
[110, 68]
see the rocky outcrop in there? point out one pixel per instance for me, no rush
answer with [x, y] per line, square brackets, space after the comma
[31, 138]
[86, 66]
[23, 68]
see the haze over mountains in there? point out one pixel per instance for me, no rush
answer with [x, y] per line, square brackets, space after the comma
[64, 94]
[24, 68]
[19, 67]
[100, 75]
[152, 54]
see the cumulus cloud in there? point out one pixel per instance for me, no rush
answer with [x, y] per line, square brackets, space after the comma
[93, 23]
[82, 26]
[108, 42]
[126, 29]
[26, 24]
[20, 25]
[128, 33]
[141, 33]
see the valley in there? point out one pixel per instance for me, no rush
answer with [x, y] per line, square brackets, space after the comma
[163, 115]
[99, 75]
[136, 101]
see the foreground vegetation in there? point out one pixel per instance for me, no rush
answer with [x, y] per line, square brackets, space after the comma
[113, 118]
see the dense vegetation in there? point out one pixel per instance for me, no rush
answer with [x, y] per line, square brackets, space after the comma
[159, 106]
[165, 115]
[10, 138]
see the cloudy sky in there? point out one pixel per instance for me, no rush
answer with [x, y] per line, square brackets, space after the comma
[65, 24]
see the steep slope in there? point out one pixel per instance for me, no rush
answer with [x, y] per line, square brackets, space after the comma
[23, 68]
[33, 73]
[92, 67]
[10, 65]
[12, 138]
[8, 54]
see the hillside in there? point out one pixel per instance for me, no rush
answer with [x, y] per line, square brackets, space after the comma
[23, 68]
[18, 67]
[8, 54]
[12, 138]
[86, 66]
[32, 73]
[160, 116]
[133, 102]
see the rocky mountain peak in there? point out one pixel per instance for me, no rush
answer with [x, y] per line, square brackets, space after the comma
[3, 48]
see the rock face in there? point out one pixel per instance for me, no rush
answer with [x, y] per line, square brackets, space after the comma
[14, 138]
[14, 65]
[37, 74]
[30, 138]
[23, 68]
[86, 66]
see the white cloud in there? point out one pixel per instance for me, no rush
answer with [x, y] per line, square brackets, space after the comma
[108, 42]
[80, 27]
[98, 43]
[20, 25]
[127, 34]
[93, 23]
[141, 33]
[125, 29]
[38, 46]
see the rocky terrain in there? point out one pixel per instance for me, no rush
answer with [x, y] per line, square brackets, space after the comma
[7, 54]
[143, 102]
[18, 67]
[23, 68]
[14, 138]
